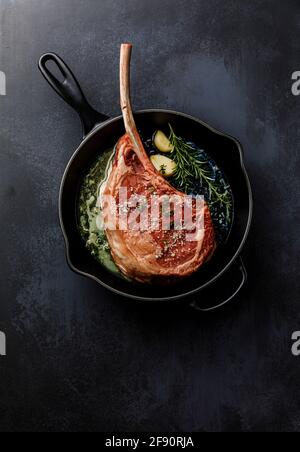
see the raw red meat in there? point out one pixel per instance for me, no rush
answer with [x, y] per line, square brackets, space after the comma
[152, 254]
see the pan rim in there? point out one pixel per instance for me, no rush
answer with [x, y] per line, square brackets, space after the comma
[203, 286]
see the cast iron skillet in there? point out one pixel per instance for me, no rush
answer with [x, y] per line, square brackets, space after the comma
[218, 281]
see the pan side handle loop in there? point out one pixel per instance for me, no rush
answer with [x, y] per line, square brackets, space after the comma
[70, 91]
[223, 291]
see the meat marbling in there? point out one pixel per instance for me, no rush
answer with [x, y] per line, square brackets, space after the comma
[153, 254]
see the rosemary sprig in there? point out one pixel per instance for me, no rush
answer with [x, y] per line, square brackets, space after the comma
[189, 167]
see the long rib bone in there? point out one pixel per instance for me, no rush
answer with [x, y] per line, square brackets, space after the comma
[126, 106]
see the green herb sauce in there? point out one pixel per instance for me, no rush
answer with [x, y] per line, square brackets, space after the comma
[95, 238]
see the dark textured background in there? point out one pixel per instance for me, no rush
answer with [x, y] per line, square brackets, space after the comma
[80, 358]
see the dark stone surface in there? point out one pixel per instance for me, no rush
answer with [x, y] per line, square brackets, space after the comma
[79, 358]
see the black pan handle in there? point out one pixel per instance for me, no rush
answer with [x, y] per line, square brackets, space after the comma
[71, 92]
[223, 291]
